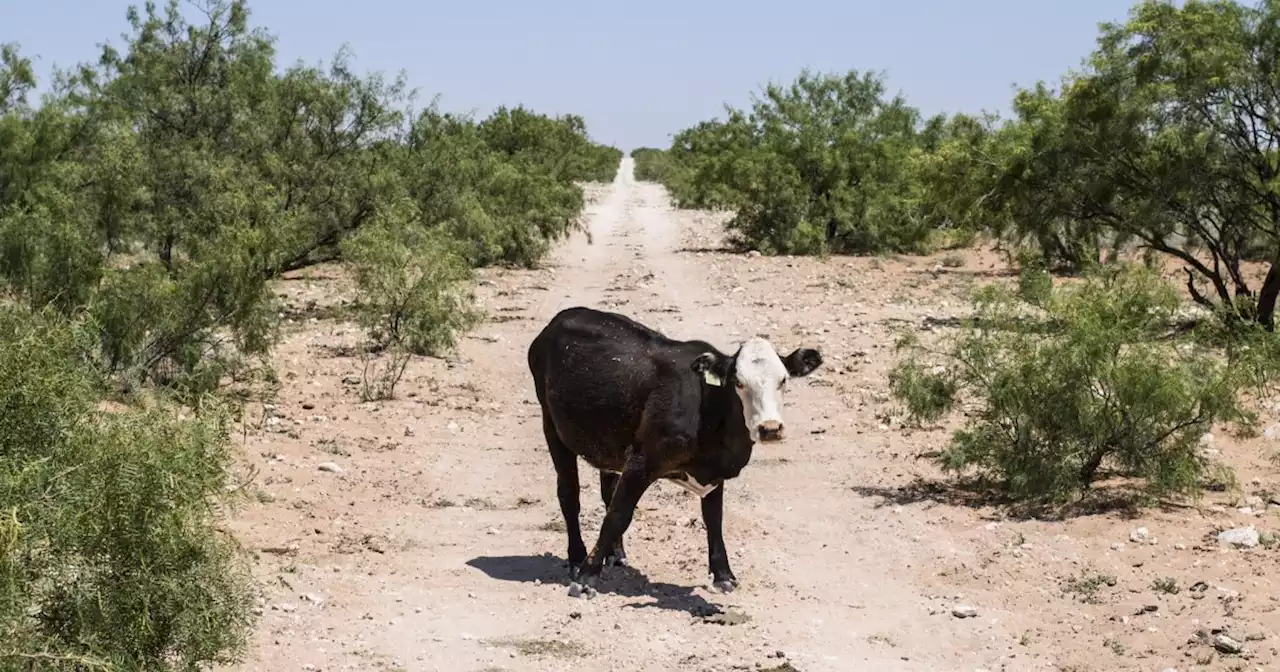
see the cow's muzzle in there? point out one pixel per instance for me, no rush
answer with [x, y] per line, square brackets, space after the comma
[770, 430]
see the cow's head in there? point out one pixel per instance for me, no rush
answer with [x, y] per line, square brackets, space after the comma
[759, 376]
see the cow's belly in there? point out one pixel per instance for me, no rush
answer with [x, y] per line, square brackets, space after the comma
[683, 479]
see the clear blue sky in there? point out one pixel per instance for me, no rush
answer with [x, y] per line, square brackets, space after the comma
[639, 71]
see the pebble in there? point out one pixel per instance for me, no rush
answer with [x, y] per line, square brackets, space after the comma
[1117, 546]
[964, 611]
[1240, 537]
[1139, 535]
[1225, 644]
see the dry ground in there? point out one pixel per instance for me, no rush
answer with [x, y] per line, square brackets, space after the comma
[439, 543]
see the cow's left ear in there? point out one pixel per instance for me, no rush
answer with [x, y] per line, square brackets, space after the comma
[802, 362]
[713, 369]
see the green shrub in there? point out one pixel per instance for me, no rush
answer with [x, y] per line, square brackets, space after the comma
[1062, 382]
[109, 550]
[827, 164]
[412, 296]
[652, 165]
[411, 285]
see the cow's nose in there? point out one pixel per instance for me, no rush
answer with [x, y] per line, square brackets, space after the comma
[770, 430]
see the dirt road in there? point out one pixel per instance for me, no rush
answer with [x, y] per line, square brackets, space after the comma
[424, 533]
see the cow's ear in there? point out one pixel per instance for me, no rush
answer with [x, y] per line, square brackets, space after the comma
[802, 362]
[712, 368]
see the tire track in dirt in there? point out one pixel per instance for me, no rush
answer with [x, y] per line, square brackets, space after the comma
[440, 546]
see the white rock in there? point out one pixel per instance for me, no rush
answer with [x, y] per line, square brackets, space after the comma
[1139, 535]
[329, 467]
[1226, 644]
[964, 611]
[1240, 537]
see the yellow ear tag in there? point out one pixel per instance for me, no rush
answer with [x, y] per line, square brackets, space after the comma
[712, 379]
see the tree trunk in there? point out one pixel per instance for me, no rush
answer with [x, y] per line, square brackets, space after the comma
[1090, 468]
[1267, 296]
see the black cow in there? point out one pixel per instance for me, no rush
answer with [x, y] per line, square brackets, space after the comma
[639, 406]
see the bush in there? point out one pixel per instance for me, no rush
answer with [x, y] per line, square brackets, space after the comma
[109, 552]
[1065, 381]
[163, 188]
[412, 295]
[558, 146]
[829, 164]
[411, 284]
[652, 165]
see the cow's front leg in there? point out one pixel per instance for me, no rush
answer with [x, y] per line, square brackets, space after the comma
[722, 577]
[635, 479]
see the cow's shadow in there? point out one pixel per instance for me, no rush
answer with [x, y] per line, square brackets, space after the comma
[624, 581]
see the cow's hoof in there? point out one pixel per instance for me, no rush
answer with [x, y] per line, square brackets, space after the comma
[616, 559]
[581, 590]
[724, 585]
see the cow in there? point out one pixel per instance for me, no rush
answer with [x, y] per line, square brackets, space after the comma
[639, 406]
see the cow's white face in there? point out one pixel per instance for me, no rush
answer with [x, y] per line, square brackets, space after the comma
[759, 377]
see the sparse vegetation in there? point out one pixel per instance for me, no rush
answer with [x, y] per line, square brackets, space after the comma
[1062, 382]
[1088, 585]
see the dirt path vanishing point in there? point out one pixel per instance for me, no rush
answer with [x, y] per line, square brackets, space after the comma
[431, 538]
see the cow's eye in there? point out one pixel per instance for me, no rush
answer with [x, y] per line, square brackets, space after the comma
[738, 384]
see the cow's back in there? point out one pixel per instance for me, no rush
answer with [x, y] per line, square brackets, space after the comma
[593, 373]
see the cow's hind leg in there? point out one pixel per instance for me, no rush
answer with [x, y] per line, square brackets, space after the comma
[608, 483]
[566, 463]
[636, 477]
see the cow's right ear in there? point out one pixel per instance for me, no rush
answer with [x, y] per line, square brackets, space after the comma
[713, 369]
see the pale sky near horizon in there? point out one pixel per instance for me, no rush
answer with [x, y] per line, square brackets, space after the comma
[638, 72]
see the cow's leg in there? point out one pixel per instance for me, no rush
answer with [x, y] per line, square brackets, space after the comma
[722, 577]
[635, 479]
[608, 483]
[566, 464]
